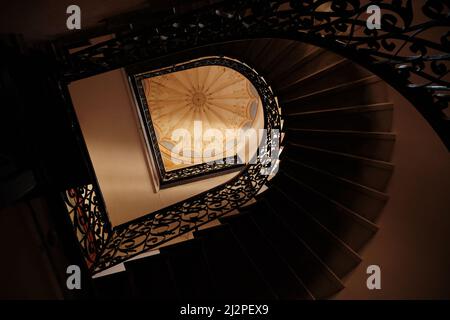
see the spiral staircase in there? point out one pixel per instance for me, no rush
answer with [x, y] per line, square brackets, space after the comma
[300, 236]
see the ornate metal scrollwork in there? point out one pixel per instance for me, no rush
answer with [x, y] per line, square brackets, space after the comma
[90, 223]
[411, 50]
[144, 234]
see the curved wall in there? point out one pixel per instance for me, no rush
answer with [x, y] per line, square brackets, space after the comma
[412, 245]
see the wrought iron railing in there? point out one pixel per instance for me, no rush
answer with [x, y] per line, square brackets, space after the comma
[104, 247]
[89, 219]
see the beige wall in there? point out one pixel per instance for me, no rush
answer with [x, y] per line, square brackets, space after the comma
[112, 132]
[412, 246]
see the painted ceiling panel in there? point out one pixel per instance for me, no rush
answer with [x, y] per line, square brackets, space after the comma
[213, 97]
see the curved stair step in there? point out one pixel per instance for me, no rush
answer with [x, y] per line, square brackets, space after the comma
[366, 91]
[306, 65]
[16, 186]
[232, 49]
[293, 97]
[190, 270]
[345, 224]
[255, 49]
[114, 286]
[152, 278]
[307, 83]
[280, 48]
[339, 257]
[373, 145]
[366, 201]
[374, 118]
[329, 76]
[299, 56]
[282, 279]
[314, 273]
[368, 172]
[231, 269]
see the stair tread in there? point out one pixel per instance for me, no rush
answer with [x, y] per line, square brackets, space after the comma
[323, 75]
[362, 118]
[310, 77]
[361, 170]
[190, 270]
[366, 201]
[257, 48]
[364, 134]
[366, 91]
[343, 86]
[349, 226]
[281, 48]
[232, 270]
[152, 278]
[307, 63]
[370, 191]
[17, 186]
[114, 286]
[264, 49]
[370, 161]
[292, 60]
[276, 270]
[314, 273]
[339, 257]
[368, 144]
[297, 64]
[333, 111]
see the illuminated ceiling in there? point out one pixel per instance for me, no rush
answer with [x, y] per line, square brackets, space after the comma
[220, 97]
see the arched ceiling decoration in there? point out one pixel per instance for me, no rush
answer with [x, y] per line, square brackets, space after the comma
[212, 97]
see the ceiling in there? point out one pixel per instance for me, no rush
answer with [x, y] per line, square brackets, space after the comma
[197, 100]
